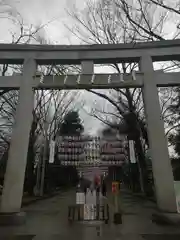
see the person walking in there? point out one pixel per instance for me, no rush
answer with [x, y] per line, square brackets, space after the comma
[92, 187]
[97, 183]
[85, 189]
[104, 189]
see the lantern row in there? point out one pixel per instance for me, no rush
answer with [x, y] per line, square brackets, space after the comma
[78, 138]
[104, 163]
[78, 145]
[71, 150]
[112, 157]
[75, 151]
[90, 156]
[112, 150]
[85, 148]
[89, 145]
[86, 139]
[80, 157]
[71, 157]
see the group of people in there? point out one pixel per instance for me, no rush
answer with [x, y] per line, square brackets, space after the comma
[98, 185]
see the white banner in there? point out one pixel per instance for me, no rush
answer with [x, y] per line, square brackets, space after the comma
[132, 152]
[80, 198]
[52, 151]
[91, 197]
[89, 212]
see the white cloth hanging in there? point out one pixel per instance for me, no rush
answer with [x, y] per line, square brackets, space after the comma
[80, 198]
[91, 197]
[89, 212]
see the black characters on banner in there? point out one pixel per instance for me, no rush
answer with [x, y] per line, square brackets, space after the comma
[82, 150]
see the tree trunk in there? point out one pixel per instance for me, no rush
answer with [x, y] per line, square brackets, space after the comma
[134, 133]
[30, 179]
[30, 176]
[142, 163]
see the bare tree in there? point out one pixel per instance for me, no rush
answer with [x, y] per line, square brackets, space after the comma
[50, 105]
[116, 22]
[119, 21]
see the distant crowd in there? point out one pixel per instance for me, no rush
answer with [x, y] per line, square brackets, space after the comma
[98, 184]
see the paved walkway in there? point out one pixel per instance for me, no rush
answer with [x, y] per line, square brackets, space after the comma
[47, 220]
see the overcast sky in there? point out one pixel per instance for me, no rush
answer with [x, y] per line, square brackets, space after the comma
[54, 14]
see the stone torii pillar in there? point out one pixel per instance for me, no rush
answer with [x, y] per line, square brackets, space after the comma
[16, 165]
[162, 170]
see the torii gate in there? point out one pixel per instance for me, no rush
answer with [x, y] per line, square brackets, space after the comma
[87, 56]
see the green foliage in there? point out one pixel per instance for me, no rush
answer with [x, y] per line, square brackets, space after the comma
[72, 124]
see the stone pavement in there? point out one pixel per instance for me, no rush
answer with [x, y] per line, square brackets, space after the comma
[47, 220]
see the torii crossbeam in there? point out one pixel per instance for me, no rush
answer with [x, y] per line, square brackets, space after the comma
[142, 53]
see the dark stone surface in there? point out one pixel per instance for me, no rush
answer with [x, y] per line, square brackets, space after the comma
[166, 218]
[8, 219]
[161, 236]
[17, 237]
[47, 220]
[117, 218]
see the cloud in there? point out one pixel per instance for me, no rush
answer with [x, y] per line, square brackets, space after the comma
[39, 12]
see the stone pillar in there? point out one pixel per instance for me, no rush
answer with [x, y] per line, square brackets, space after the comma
[16, 165]
[162, 170]
[87, 67]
